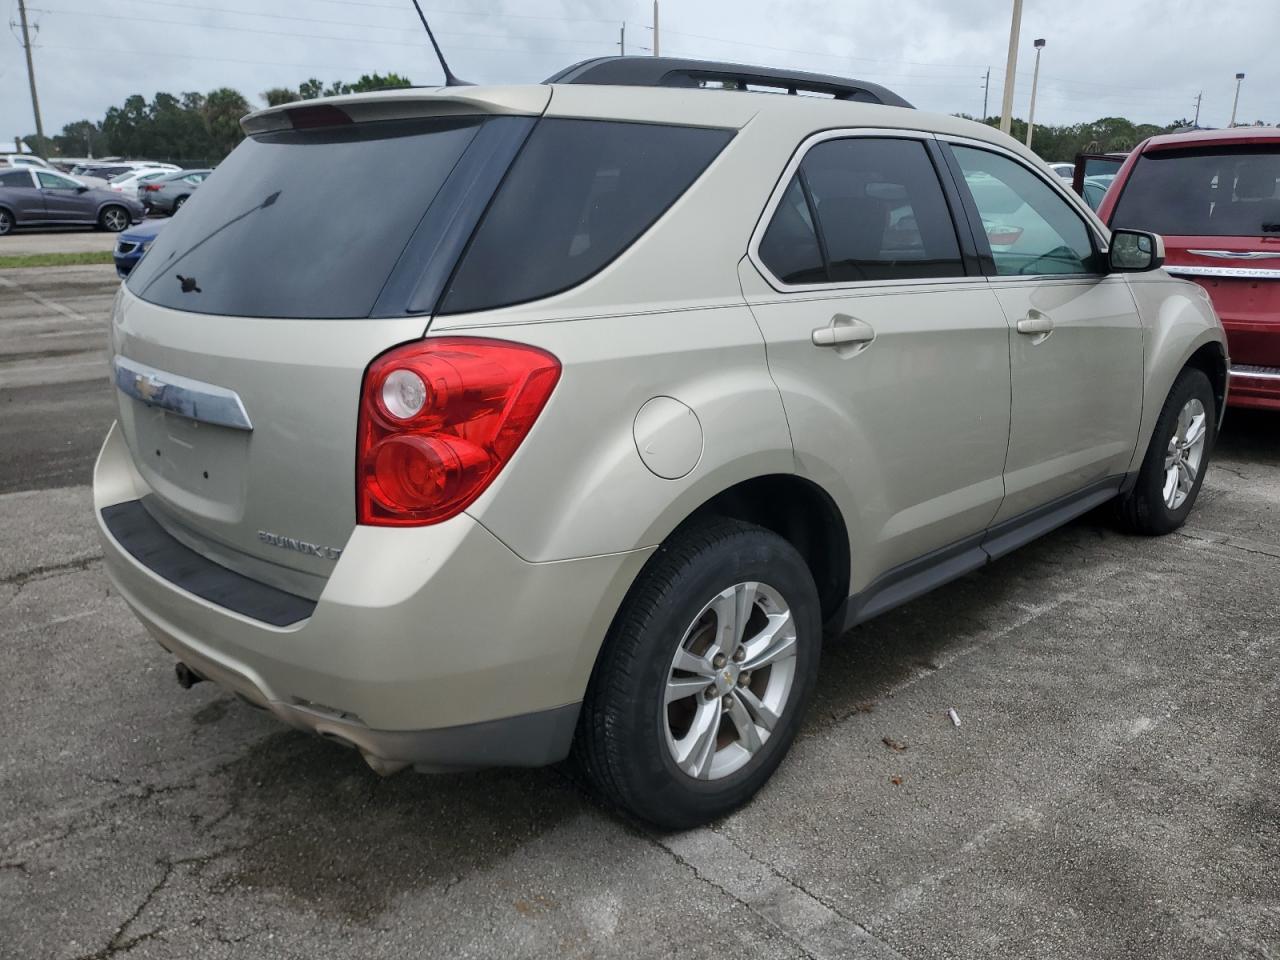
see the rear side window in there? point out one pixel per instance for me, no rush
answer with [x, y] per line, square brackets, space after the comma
[15, 178]
[285, 230]
[1224, 192]
[881, 215]
[579, 194]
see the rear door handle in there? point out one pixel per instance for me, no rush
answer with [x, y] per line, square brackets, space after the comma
[1036, 325]
[843, 330]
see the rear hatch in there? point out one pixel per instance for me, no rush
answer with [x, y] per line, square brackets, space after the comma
[1218, 208]
[241, 339]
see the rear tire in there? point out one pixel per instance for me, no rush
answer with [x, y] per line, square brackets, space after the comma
[704, 677]
[113, 218]
[6, 222]
[1174, 467]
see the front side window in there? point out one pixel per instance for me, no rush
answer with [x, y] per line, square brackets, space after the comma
[881, 215]
[1031, 230]
[1223, 192]
[51, 181]
[578, 195]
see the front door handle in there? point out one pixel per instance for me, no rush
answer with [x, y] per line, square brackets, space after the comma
[843, 331]
[1036, 325]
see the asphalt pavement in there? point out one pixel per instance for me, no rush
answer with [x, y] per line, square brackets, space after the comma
[1110, 792]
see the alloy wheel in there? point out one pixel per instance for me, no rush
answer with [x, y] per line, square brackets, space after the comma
[730, 680]
[115, 219]
[1185, 454]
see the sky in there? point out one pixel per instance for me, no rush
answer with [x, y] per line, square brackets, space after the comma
[1142, 59]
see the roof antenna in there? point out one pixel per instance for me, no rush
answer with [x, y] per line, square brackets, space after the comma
[449, 79]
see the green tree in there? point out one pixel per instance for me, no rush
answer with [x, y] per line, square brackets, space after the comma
[223, 109]
[280, 95]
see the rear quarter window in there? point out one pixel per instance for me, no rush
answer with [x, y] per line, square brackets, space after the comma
[579, 194]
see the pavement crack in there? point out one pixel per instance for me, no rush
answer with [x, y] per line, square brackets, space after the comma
[119, 943]
[24, 577]
[720, 888]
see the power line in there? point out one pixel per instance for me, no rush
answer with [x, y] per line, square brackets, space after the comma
[380, 6]
[318, 36]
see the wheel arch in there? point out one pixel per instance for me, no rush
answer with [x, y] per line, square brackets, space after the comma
[1211, 359]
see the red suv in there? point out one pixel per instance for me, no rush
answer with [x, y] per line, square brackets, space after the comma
[1215, 197]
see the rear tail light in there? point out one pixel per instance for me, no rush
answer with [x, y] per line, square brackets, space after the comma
[151, 187]
[439, 419]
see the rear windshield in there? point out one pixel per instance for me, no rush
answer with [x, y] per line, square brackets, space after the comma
[303, 223]
[1223, 192]
[579, 194]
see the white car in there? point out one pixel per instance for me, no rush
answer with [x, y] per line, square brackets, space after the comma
[1066, 171]
[22, 160]
[130, 182]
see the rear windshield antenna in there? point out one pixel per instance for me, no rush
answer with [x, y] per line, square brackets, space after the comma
[449, 79]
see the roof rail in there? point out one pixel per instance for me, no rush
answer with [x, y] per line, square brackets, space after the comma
[677, 72]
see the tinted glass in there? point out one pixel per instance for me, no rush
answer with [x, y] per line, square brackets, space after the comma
[15, 178]
[789, 247]
[286, 231]
[1231, 192]
[1031, 229]
[881, 210]
[579, 193]
[54, 182]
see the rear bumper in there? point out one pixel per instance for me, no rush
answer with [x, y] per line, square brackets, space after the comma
[1256, 387]
[433, 646]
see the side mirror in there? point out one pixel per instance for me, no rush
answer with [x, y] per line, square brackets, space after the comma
[82, 189]
[1136, 251]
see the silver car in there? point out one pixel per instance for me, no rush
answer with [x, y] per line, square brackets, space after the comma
[34, 197]
[578, 441]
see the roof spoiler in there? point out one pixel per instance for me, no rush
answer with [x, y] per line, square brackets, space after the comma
[677, 72]
[401, 103]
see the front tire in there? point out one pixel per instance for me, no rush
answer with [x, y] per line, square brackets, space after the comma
[704, 677]
[1174, 467]
[6, 222]
[113, 219]
[177, 205]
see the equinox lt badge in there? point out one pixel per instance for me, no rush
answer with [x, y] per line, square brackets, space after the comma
[292, 543]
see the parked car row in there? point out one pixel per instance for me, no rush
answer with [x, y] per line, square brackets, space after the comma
[33, 196]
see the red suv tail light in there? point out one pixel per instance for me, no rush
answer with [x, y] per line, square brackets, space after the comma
[439, 418]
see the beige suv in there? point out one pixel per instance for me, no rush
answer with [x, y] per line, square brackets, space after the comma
[574, 429]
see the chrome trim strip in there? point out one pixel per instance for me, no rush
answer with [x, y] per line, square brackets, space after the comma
[1240, 273]
[1237, 254]
[1256, 373]
[188, 398]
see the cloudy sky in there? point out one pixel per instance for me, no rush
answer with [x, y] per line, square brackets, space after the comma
[1144, 59]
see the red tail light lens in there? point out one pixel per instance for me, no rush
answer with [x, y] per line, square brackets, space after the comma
[152, 187]
[439, 419]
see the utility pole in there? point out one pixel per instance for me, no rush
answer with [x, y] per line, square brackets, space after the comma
[1234, 103]
[1011, 69]
[986, 90]
[622, 39]
[1035, 82]
[1196, 122]
[31, 75]
[655, 28]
